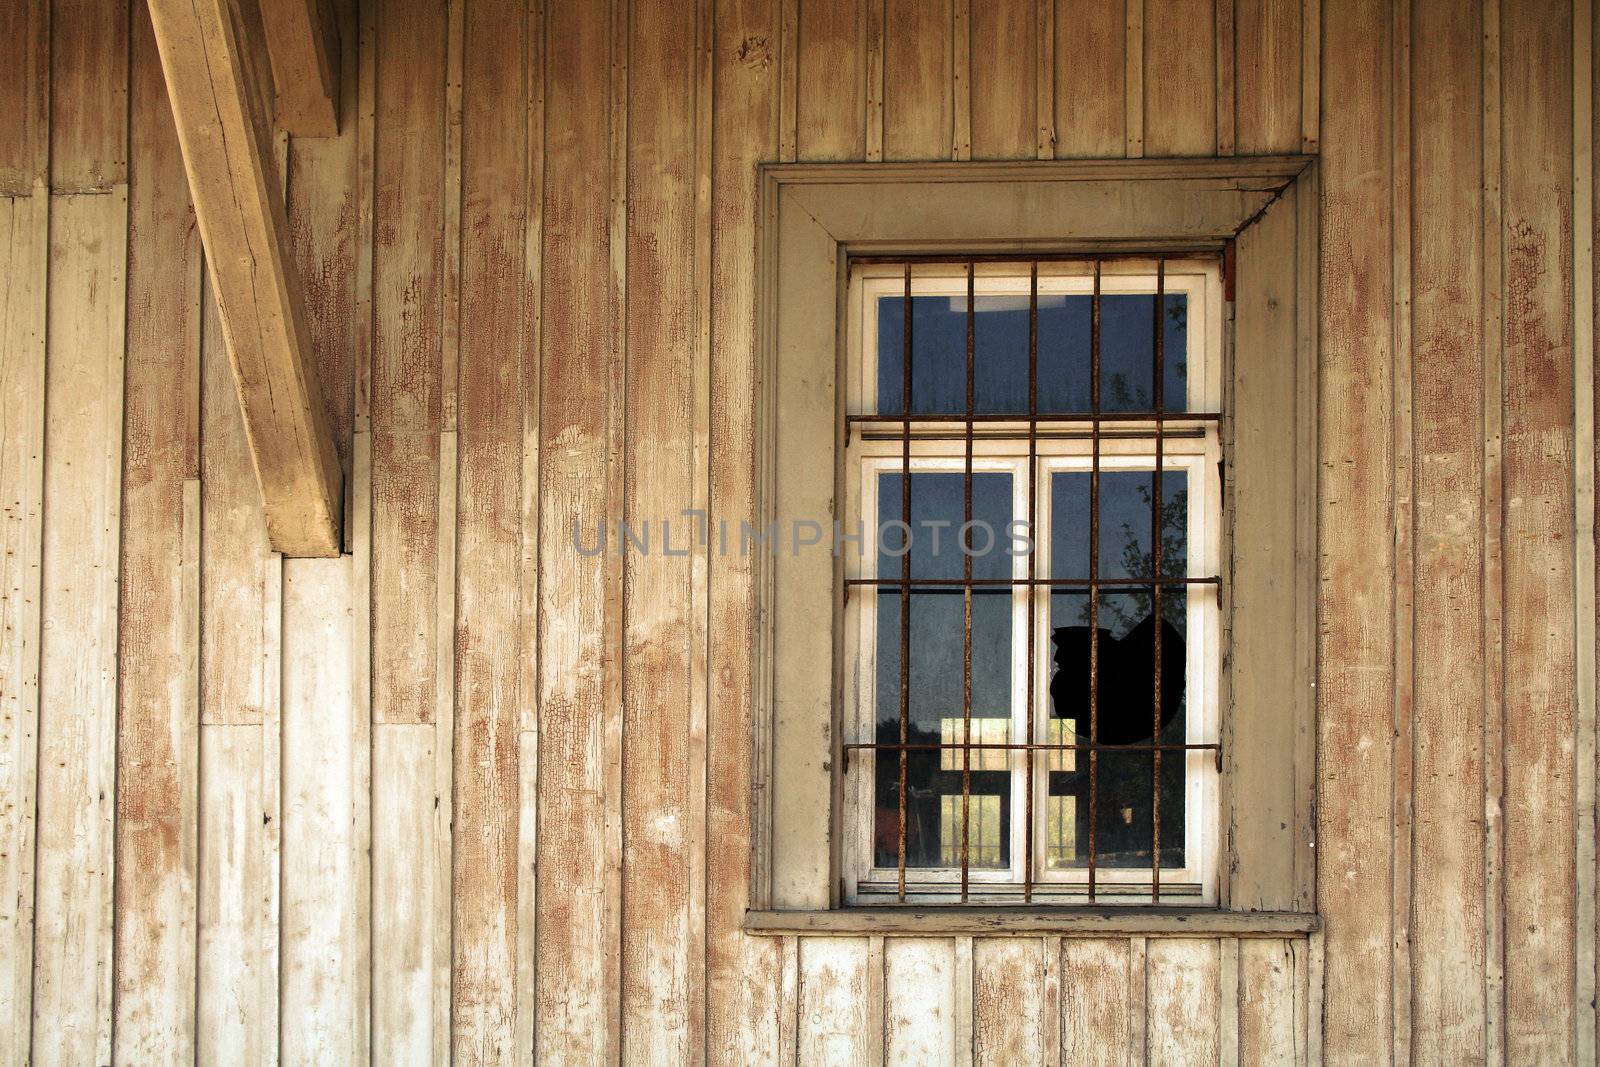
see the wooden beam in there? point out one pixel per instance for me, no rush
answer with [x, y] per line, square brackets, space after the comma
[212, 51]
[303, 42]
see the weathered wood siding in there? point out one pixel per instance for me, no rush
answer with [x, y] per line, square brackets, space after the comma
[465, 792]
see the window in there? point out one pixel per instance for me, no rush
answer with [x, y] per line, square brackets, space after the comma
[1003, 740]
[1188, 463]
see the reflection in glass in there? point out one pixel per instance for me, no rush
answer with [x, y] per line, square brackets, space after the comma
[1000, 353]
[937, 626]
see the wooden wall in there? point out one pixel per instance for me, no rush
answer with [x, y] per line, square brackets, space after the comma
[466, 791]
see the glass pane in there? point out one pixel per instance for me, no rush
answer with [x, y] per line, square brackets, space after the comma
[936, 629]
[1124, 523]
[1125, 715]
[1127, 352]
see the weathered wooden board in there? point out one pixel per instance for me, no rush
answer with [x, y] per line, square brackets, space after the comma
[72, 980]
[1182, 991]
[1090, 79]
[830, 80]
[88, 104]
[1540, 880]
[492, 365]
[1271, 1002]
[25, 79]
[1005, 94]
[1447, 928]
[743, 980]
[1102, 986]
[920, 1004]
[159, 713]
[836, 1026]
[918, 95]
[322, 1018]
[404, 892]
[657, 828]
[1267, 36]
[1010, 1021]
[24, 228]
[578, 943]
[1180, 78]
[1355, 642]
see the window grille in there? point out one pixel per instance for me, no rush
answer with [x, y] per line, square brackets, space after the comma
[914, 434]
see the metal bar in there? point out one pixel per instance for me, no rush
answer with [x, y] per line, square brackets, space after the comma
[1156, 531]
[1094, 577]
[1033, 468]
[966, 591]
[980, 583]
[905, 576]
[1017, 746]
[1204, 252]
[1087, 417]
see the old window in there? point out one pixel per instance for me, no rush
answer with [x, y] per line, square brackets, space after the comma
[1120, 357]
[1017, 723]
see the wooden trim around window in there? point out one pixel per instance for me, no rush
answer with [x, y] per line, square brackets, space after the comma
[812, 217]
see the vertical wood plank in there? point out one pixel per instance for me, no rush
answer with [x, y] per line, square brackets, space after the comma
[1355, 658]
[1536, 71]
[25, 77]
[1268, 75]
[1403, 524]
[961, 79]
[239, 665]
[487, 672]
[1447, 925]
[24, 274]
[72, 979]
[1097, 1002]
[575, 947]
[403, 894]
[1493, 580]
[88, 95]
[158, 721]
[232, 916]
[24, 228]
[1044, 71]
[1091, 117]
[1010, 1021]
[1004, 86]
[1310, 76]
[875, 88]
[1227, 80]
[233, 537]
[744, 974]
[1180, 78]
[323, 939]
[830, 90]
[1585, 617]
[660, 425]
[528, 573]
[1183, 987]
[1268, 990]
[834, 1026]
[1133, 65]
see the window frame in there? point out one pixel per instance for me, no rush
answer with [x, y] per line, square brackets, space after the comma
[1260, 212]
[1199, 279]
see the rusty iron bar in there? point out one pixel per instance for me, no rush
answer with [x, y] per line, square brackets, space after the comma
[1033, 477]
[1041, 417]
[1158, 392]
[966, 589]
[979, 583]
[1094, 579]
[1018, 746]
[905, 587]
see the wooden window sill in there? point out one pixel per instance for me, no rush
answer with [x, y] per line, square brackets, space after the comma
[1069, 922]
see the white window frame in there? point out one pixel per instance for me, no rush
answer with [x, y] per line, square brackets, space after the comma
[867, 457]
